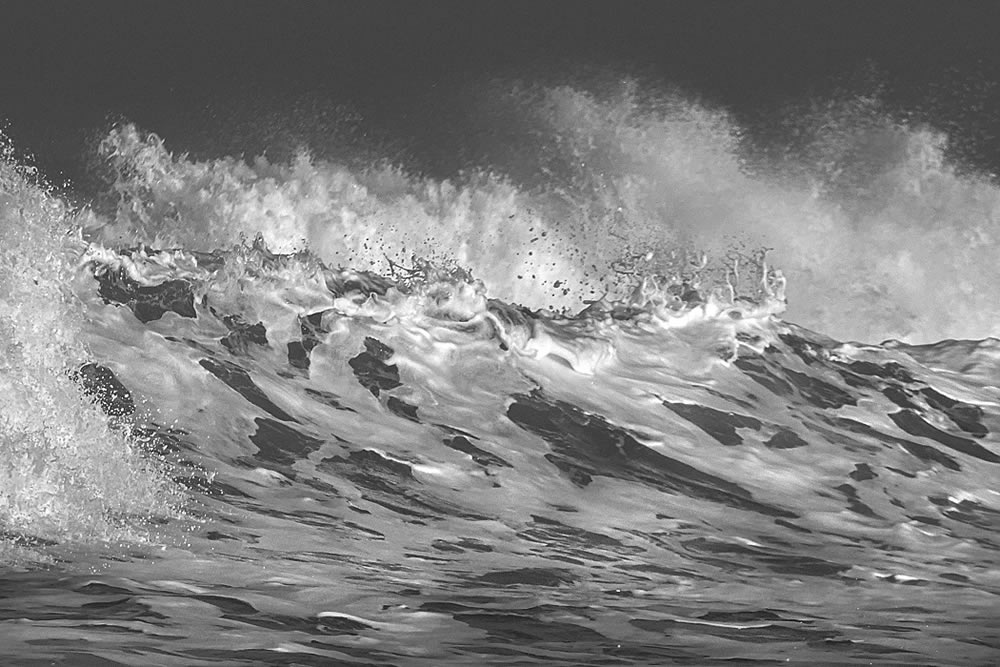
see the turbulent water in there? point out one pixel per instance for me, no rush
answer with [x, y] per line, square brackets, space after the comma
[298, 412]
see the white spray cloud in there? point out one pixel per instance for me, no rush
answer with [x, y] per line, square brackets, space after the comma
[878, 235]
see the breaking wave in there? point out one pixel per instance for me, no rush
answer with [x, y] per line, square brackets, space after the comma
[566, 407]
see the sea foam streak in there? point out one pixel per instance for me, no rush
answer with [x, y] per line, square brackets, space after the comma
[418, 422]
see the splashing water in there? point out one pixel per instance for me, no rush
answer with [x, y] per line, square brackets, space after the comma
[879, 235]
[65, 474]
[864, 215]
[545, 412]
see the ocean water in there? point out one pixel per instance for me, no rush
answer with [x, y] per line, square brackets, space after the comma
[639, 392]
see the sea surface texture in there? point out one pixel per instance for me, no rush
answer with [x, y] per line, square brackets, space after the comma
[571, 411]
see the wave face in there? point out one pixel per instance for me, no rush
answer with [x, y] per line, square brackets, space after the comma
[296, 412]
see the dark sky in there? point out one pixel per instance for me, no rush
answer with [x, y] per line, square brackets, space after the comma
[67, 67]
